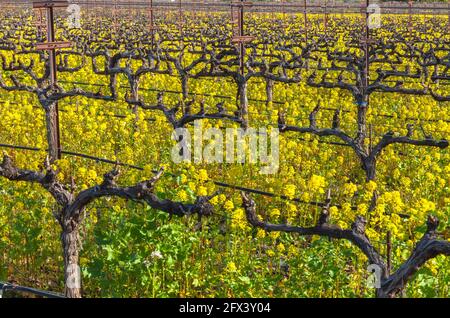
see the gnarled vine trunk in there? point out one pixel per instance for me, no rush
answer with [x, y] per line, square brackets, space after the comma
[243, 103]
[269, 90]
[362, 104]
[51, 120]
[134, 86]
[72, 278]
[369, 166]
[184, 85]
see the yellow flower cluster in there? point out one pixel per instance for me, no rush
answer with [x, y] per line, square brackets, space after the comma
[316, 184]
[414, 181]
[289, 191]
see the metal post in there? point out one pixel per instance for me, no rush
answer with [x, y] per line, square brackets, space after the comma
[40, 23]
[180, 18]
[239, 39]
[114, 14]
[106, 11]
[94, 10]
[53, 71]
[389, 252]
[366, 48]
[51, 38]
[238, 31]
[448, 20]
[306, 22]
[334, 10]
[410, 3]
[151, 23]
[88, 11]
[272, 9]
[51, 45]
[41, 20]
[241, 33]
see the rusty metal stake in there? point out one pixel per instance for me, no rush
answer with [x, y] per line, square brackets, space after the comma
[40, 23]
[305, 15]
[51, 47]
[389, 252]
[180, 17]
[114, 14]
[410, 3]
[238, 31]
[53, 71]
[151, 23]
[241, 33]
[448, 20]
[366, 49]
